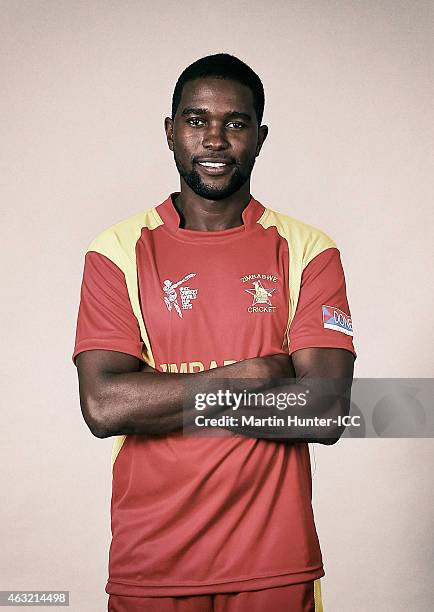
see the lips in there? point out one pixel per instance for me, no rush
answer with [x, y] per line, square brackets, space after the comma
[215, 166]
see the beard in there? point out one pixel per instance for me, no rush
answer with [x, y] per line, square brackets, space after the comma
[208, 191]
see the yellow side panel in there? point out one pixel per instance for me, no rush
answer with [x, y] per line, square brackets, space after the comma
[304, 243]
[317, 596]
[117, 445]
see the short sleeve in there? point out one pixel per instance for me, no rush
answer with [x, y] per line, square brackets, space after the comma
[105, 317]
[322, 317]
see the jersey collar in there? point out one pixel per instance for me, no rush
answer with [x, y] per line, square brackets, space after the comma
[169, 215]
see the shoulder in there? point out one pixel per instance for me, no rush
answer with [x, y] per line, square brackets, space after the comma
[304, 241]
[118, 242]
[128, 230]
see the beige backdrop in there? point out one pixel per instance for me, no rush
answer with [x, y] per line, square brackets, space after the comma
[85, 87]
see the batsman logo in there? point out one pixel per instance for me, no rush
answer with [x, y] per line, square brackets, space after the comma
[335, 319]
[170, 297]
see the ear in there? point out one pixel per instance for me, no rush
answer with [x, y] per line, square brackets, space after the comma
[168, 126]
[262, 135]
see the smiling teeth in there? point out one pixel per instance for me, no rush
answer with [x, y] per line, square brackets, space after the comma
[213, 164]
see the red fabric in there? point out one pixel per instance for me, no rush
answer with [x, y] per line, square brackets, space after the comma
[105, 318]
[294, 598]
[206, 515]
[322, 284]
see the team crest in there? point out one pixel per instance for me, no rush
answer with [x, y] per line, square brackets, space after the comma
[182, 301]
[262, 295]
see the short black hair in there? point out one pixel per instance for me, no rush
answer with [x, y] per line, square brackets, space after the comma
[222, 66]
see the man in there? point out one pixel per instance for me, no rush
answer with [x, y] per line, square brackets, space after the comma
[210, 285]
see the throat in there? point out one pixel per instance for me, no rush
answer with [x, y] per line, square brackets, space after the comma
[207, 215]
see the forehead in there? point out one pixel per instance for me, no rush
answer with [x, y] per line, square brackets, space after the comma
[217, 96]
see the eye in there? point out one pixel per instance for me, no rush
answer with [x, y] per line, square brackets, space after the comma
[236, 125]
[195, 122]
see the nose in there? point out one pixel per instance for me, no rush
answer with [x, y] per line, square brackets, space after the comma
[215, 137]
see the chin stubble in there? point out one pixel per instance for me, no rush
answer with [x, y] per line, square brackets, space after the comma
[209, 192]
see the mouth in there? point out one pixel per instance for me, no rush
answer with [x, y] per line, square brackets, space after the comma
[215, 167]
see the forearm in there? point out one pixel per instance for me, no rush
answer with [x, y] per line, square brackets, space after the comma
[306, 411]
[159, 403]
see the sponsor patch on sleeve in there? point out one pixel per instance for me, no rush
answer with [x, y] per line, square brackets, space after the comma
[335, 319]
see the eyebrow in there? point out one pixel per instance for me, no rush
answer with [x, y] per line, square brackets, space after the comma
[190, 110]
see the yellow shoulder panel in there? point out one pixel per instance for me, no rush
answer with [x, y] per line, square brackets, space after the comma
[304, 243]
[118, 243]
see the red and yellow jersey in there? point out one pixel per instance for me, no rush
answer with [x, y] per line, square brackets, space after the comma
[195, 515]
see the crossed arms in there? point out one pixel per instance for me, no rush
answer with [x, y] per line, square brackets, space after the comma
[119, 396]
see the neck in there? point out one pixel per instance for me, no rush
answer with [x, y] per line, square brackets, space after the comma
[200, 214]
